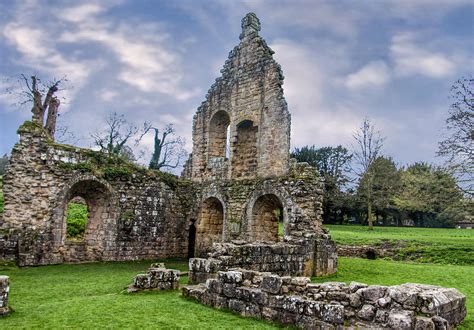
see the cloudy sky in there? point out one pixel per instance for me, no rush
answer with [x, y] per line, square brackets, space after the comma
[391, 61]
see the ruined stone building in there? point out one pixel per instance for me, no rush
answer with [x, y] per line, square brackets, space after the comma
[238, 187]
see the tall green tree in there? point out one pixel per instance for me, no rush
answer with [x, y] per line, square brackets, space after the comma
[368, 146]
[385, 184]
[458, 146]
[333, 164]
[429, 196]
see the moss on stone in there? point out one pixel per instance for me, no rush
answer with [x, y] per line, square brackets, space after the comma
[85, 167]
[127, 216]
[29, 126]
[114, 173]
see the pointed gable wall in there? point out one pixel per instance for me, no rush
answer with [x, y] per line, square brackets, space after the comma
[250, 93]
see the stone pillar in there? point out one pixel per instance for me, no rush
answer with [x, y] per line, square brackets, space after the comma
[4, 288]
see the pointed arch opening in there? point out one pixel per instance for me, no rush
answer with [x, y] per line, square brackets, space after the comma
[244, 150]
[88, 217]
[219, 135]
[267, 217]
[210, 225]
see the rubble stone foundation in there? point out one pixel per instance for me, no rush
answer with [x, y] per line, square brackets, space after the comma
[330, 305]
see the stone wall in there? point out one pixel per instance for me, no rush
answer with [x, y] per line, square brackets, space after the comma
[295, 257]
[247, 98]
[133, 213]
[243, 185]
[296, 301]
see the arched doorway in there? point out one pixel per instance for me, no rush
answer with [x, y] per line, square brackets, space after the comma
[244, 150]
[267, 218]
[77, 216]
[210, 225]
[192, 239]
[218, 146]
[97, 230]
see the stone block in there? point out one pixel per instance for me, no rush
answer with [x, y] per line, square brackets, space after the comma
[271, 284]
[401, 319]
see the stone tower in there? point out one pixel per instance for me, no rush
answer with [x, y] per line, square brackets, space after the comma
[242, 129]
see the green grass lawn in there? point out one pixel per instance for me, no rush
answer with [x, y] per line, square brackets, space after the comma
[92, 295]
[438, 245]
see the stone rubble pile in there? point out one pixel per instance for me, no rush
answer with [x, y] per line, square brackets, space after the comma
[296, 301]
[157, 278]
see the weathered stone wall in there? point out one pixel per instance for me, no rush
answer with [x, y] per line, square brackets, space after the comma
[291, 258]
[133, 213]
[296, 301]
[241, 189]
[248, 98]
[4, 290]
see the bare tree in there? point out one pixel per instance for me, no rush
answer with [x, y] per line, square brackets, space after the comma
[458, 146]
[113, 140]
[369, 143]
[50, 105]
[168, 149]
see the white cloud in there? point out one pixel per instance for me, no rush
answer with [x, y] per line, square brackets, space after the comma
[81, 13]
[374, 74]
[410, 58]
[316, 118]
[148, 62]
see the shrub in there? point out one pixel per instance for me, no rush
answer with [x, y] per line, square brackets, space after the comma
[77, 216]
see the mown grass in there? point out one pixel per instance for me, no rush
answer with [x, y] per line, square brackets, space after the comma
[93, 296]
[386, 272]
[429, 245]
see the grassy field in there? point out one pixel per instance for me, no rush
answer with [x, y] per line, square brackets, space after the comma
[431, 245]
[92, 295]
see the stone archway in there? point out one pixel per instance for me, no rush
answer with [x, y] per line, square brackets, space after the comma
[210, 225]
[218, 135]
[244, 150]
[267, 215]
[100, 229]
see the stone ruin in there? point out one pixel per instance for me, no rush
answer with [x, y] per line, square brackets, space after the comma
[238, 189]
[331, 305]
[158, 277]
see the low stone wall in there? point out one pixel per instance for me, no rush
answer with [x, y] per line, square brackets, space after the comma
[310, 257]
[157, 278]
[4, 289]
[296, 301]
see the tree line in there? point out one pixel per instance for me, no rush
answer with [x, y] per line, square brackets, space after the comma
[364, 186]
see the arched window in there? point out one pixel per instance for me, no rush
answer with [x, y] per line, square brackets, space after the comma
[219, 135]
[210, 225]
[244, 150]
[267, 218]
[86, 212]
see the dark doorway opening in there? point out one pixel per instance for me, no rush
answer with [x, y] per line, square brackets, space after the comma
[192, 239]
